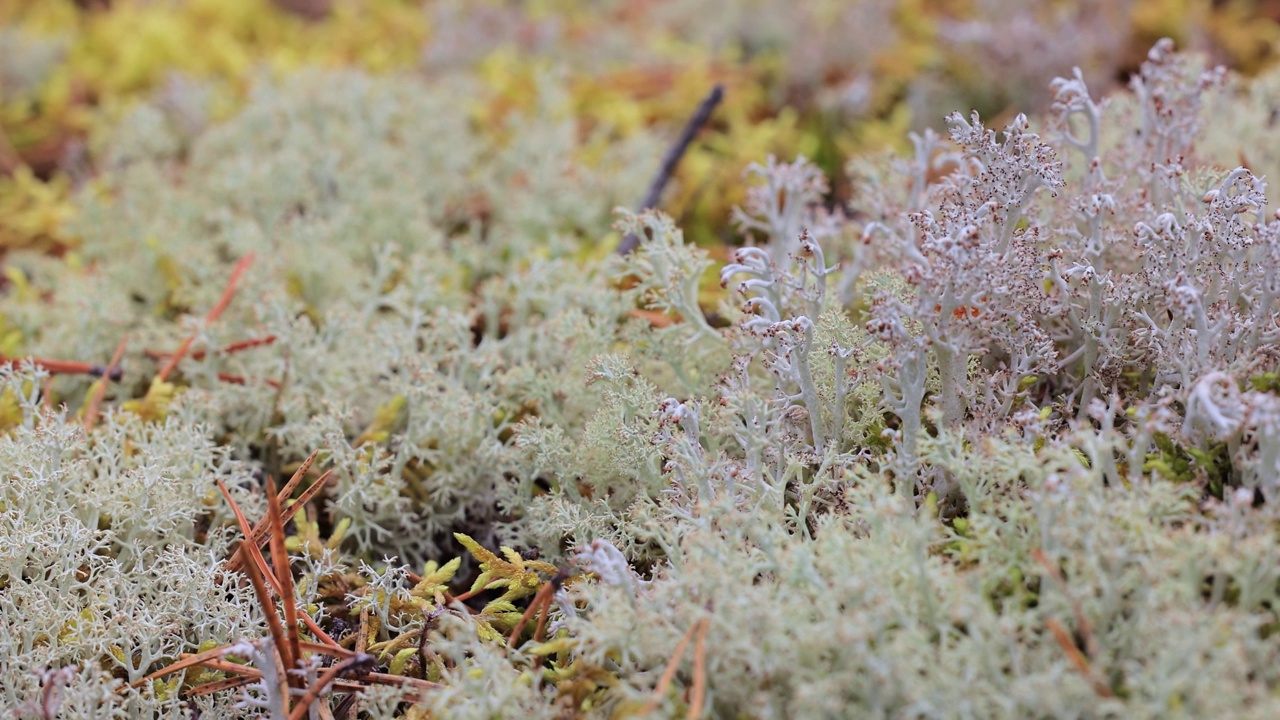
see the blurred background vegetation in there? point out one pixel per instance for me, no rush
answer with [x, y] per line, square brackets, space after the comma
[820, 78]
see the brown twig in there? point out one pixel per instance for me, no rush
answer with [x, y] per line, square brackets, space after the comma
[425, 653]
[401, 680]
[346, 708]
[672, 158]
[236, 273]
[362, 636]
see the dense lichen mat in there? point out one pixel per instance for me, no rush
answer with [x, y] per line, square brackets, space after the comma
[326, 394]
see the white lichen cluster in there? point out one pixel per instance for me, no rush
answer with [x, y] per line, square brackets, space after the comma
[1000, 439]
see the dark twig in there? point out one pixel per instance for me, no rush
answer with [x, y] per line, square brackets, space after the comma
[677, 151]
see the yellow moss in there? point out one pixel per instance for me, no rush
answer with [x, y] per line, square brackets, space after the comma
[154, 406]
[387, 418]
[33, 213]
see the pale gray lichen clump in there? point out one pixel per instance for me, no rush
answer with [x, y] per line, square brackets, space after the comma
[1002, 439]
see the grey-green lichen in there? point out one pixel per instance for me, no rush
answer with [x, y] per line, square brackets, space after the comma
[998, 441]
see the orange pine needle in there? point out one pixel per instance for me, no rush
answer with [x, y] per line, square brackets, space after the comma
[225, 350]
[262, 532]
[242, 380]
[248, 671]
[296, 478]
[542, 619]
[183, 664]
[669, 673]
[1082, 620]
[321, 635]
[217, 685]
[326, 649]
[91, 414]
[284, 578]
[328, 676]
[1077, 658]
[543, 596]
[542, 625]
[236, 273]
[256, 578]
[61, 367]
[699, 696]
